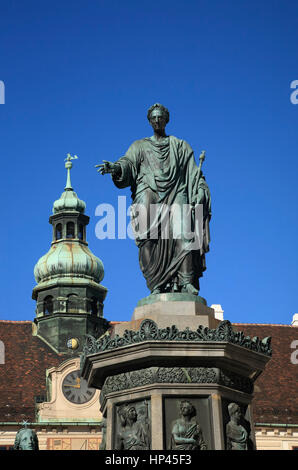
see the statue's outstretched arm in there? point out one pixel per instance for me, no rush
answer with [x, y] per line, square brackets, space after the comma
[109, 167]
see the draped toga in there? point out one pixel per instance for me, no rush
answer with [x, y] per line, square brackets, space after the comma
[237, 437]
[133, 437]
[187, 436]
[163, 173]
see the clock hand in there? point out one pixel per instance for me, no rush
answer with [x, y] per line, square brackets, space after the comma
[73, 386]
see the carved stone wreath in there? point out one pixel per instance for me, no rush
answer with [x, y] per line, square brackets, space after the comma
[148, 330]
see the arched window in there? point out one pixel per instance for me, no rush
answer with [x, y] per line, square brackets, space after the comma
[94, 306]
[70, 230]
[72, 303]
[58, 234]
[48, 305]
[81, 232]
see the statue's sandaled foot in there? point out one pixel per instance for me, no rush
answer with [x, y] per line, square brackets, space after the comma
[190, 289]
[156, 290]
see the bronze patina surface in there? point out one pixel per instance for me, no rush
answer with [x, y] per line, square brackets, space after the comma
[164, 178]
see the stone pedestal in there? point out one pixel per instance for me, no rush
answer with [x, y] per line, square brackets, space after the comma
[150, 367]
[185, 310]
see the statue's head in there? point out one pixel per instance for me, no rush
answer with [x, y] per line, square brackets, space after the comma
[158, 116]
[131, 413]
[26, 439]
[187, 408]
[127, 412]
[234, 411]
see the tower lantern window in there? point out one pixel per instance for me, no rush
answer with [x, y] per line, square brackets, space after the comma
[81, 232]
[48, 305]
[58, 234]
[70, 230]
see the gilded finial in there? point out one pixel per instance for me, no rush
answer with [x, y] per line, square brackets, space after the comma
[68, 166]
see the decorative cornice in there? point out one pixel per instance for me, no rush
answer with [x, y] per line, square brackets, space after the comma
[149, 331]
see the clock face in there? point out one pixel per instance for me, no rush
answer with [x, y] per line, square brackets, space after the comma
[75, 388]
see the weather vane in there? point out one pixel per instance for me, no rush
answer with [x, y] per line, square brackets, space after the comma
[68, 166]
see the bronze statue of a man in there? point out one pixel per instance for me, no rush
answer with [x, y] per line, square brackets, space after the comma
[162, 173]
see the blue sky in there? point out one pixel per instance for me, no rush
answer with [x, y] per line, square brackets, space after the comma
[79, 78]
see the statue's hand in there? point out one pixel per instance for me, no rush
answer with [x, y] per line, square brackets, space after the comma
[106, 167]
[200, 196]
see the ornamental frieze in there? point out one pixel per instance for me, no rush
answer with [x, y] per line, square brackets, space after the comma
[149, 331]
[175, 375]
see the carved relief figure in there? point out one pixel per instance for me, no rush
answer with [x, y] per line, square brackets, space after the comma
[132, 434]
[186, 432]
[237, 436]
[104, 434]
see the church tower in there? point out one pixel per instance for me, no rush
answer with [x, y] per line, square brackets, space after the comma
[69, 296]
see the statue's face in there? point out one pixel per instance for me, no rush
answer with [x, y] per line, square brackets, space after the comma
[237, 414]
[186, 409]
[158, 120]
[27, 440]
[132, 414]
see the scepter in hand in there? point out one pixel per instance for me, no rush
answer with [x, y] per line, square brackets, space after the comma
[200, 192]
[202, 158]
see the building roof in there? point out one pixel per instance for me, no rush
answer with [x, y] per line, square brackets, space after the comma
[275, 391]
[23, 376]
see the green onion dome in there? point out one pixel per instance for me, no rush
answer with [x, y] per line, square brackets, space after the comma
[69, 255]
[69, 259]
[69, 201]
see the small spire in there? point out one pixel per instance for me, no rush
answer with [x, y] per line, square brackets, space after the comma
[68, 166]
